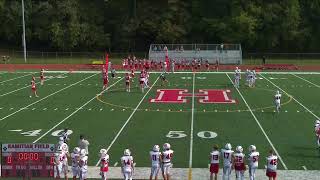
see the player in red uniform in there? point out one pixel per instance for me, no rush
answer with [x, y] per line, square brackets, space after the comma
[127, 79]
[33, 88]
[42, 76]
[105, 81]
[207, 65]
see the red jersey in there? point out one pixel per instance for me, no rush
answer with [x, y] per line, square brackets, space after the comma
[33, 85]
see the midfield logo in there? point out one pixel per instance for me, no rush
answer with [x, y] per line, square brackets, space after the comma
[205, 96]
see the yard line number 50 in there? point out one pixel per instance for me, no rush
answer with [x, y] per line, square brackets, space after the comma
[201, 134]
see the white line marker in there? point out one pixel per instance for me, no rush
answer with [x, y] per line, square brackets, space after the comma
[46, 97]
[15, 130]
[115, 164]
[11, 108]
[306, 80]
[16, 78]
[191, 129]
[89, 109]
[33, 109]
[128, 120]
[101, 109]
[56, 109]
[67, 109]
[257, 121]
[44, 109]
[304, 168]
[74, 112]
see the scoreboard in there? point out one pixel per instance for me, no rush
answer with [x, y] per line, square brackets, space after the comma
[27, 160]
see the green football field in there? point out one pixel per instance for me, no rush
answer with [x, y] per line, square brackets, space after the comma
[117, 119]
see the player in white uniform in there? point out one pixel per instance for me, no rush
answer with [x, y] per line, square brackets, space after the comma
[317, 132]
[250, 78]
[237, 77]
[83, 165]
[239, 163]
[155, 156]
[57, 164]
[167, 156]
[226, 154]
[104, 164]
[253, 161]
[127, 165]
[214, 162]
[277, 100]
[272, 162]
[75, 157]
[254, 77]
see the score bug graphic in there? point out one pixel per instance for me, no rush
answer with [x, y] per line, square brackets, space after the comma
[27, 160]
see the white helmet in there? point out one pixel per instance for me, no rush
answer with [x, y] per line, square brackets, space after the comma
[228, 146]
[156, 148]
[64, 147]
[166, 146]
[237, 68]
[76, 150]
[103, 151]
[252, 148]
[317, 121]
[278, 92]
[83, 152]
[127, 152]
[239, 149]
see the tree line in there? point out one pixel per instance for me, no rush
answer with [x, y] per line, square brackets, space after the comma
[131, 25]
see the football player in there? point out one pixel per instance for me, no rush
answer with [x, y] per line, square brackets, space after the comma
[146, 80]
[127, 165]
[254, 77]
[272, 162]
[155, 156]
[237, 77]
[207, 65]
[64, 156]
[167, 156]
[132, 75]
[127, 79]
[65, 135]
[214, 162]
[317, 132]
[253, 161]
[142, 81]
[104, 164]
[113, 73]
[57, 164]
[83, 165]
[277, 100]
[41, 76]
[105, 81]
[163, 79]
[226, 154]
[33, 87]
[75, 157]
[239, 163]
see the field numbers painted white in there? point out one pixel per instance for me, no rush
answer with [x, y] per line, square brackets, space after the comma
[201, 134]
[59, 132]
[176, 134]
[201, 78]
[32, 132]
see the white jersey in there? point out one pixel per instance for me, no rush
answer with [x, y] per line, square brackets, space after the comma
[63, 158]
[167, 156]
[155, 158]
[83, 163]
[253, 159]
[127, 163]
[237, 73]
[272, 162]
[214, 157]
[75, 159]
[277, 97]
[227, 157]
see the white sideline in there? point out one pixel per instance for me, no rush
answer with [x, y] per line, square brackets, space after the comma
[190, 72]
[23, 88]
[74, 112]
[45, 98]
[292, 97]
[260, 126]
[16, 78]
[191, 130]
[131, 115]
[306, 80]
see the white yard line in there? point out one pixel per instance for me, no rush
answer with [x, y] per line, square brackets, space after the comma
[74, 112]
[191, 130]
[16, 78]
[306, 80]
[260, 126]
[21, 88]
[186, 72]
[45, 98]
[304, 168]
[292, 97]
[128, 120]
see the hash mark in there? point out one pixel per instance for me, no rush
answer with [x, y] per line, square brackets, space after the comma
[298, 111]
[115, 164]
[67, 109]
[44, 109]
[89, 109]
[305, 168]
[101, 109]
[56, 109]
[33, 109]
[112, 109]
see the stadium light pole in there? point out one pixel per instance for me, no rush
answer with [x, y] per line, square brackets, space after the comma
[24, 33]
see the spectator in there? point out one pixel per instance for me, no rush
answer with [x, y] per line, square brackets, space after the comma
[83, 144]
[263, 60]
[181, 48]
